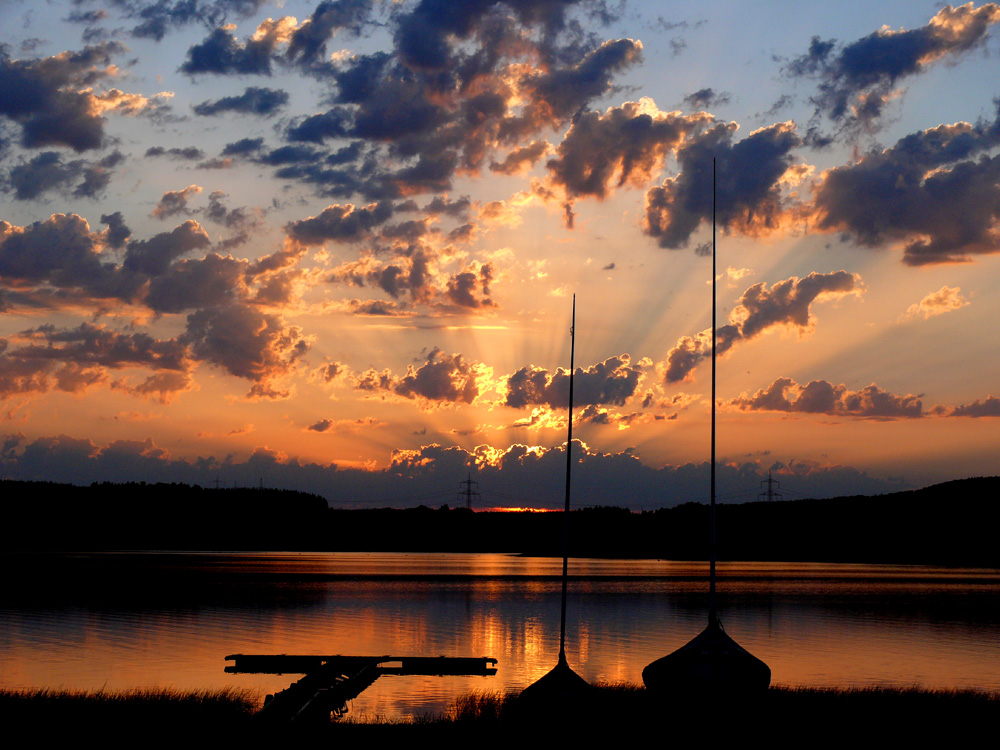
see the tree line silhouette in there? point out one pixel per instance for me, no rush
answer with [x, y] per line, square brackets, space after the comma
[953, 523]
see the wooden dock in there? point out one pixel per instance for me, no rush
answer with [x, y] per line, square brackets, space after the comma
[329, 682]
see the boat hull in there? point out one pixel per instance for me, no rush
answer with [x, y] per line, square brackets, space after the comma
[709, 662]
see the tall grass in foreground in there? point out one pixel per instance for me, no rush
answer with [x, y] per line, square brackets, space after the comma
[612, 712]
[158, 710]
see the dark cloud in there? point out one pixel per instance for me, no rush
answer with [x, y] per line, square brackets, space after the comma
[987, 407]
[823, 397]
[706, 98]
[153, 256]
[340, 223]
[857, 79]
[564, 91]
[117, 232]
[344, 425]
[155, 18]
[254, 101]
[188, 153]
[195, 283]
[376, 308]
[248, 344]
[453, 90]
[747, 184]
[49, 172]
[243, 147]
[521, 159]
[471, 288]
[442, 205]
[174, 202]
[222, 54]
[441, 380]
[233, 218]
[76, 359]
[613, 381]
[626, 144]
[926, 192]
[60, 251]
[308, 41]
[334, 123]
[94, 345]
[758, 310]
[534, 476]
[51, 100]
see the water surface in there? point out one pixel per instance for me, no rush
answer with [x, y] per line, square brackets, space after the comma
[169, 619]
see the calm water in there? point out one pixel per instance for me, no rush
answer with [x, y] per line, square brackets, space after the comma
[144, 620]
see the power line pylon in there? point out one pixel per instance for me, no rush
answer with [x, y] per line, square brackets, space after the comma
[770, 494]
[468, 492]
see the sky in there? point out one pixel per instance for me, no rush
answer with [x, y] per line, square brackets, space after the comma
[332, 246]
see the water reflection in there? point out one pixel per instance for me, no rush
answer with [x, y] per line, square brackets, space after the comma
[119, 621]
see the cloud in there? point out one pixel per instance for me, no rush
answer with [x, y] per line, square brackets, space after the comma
[521, 159]
[337, 426]
[308, 42]
[340, 223]
[48, 99]
[76, 359]
[613, 381]
[946, 299]
[89, 344]
[211, 281]
[254, 101]
[443, 379]
[786, 303]
[926, 192]
[823, 397]
[533, 476]
[157, 17]
[857, 79]
[49, 172]
[161, 386]
[988, 407]
[154, 256]
[248, 344]
[222, 54]
[748, 185]
[187, 153]
[60, 251]
[592, 414]
[707, 98]
[471, 288]
[455, 88]
[626, 144]
[174, 202]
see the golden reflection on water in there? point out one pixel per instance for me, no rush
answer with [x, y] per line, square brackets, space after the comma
[814, 624]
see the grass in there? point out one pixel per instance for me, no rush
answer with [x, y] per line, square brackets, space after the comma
[613, 712]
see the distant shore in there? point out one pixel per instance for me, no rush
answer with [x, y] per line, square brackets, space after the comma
[950, 524]
[784, 715]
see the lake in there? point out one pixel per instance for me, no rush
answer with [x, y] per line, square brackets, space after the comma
[122, 620]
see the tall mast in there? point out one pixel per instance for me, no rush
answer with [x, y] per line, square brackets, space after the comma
[569, 466]
[712, 615]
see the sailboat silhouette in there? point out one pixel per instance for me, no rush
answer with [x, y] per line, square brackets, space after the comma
[561, 682]
[711, 661]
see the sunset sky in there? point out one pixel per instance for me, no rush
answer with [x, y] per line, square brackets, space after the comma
[332, 246]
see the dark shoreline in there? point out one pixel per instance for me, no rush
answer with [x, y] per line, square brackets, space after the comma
[951, 524]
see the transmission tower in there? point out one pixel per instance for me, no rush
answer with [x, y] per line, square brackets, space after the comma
[468, 493]
[770, 493]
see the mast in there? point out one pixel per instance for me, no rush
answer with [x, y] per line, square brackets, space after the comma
[556, 689]
[713, 617]
[711, 661]
[569, 467]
